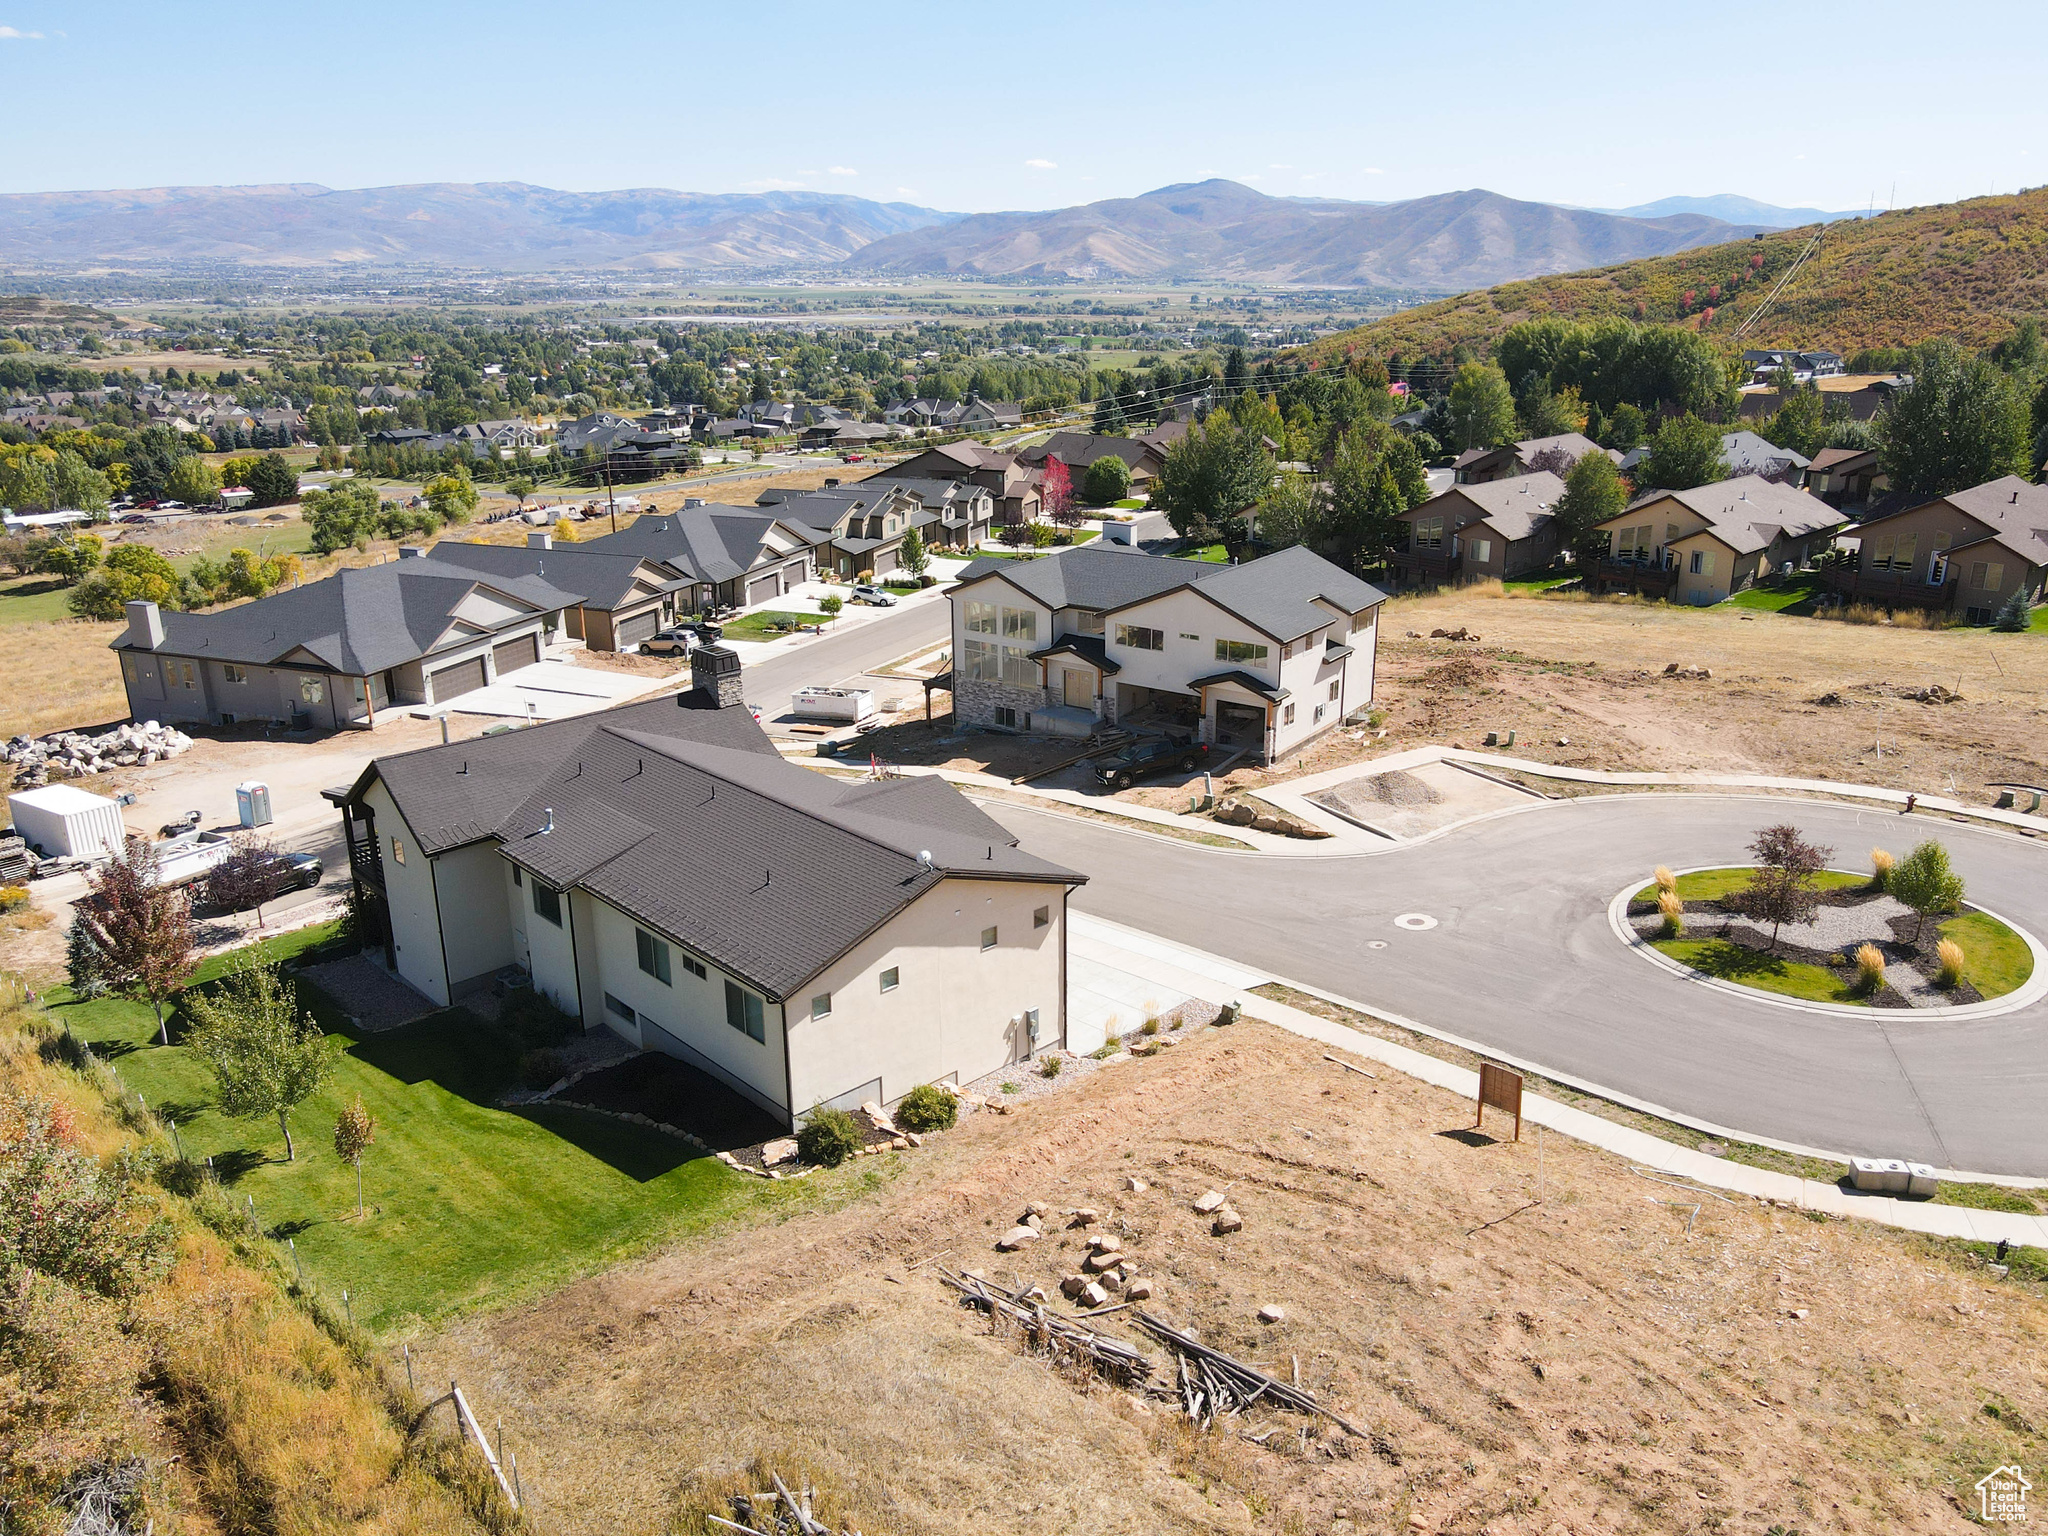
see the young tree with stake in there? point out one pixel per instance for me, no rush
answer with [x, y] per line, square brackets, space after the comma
[267, 1056]
[140, 930]
[354, 1130]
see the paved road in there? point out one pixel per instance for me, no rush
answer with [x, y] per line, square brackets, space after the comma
[844, 652]
[1523, 961]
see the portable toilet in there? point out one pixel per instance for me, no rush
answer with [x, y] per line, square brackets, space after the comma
[252, 803]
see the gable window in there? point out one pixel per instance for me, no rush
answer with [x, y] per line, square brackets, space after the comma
[547, 903]
[743, 1011]
[821, 1006]
[1139, 638]
[398, 850]
[653, 955]
[981, 618]
[234, 674]
[890, 979]
[1021, 624]
[1242, 650]
[1429, 533]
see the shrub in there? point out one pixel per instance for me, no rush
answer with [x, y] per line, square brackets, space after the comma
[1150, 1026]
[1673, 911]
[1881, 863]
[1108, 479]
[829, 1137]
[13, 897]
[1049, 1067]
[1666, 881]
[1924, 882]
[1950, 954]
[1869, 968]
[542, 1069]
[927, 1107]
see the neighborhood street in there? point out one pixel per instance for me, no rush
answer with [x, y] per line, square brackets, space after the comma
[1521, 960]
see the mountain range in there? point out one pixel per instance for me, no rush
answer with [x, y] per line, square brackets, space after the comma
[1736, 210]
[1203, 230]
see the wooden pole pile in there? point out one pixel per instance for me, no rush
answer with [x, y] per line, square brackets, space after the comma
[1051, 1333]
[1210, 1382]
[780, 1513]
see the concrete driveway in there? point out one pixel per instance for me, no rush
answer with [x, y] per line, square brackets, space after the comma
[1521, 960]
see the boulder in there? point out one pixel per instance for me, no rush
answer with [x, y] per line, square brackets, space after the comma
[1227, 1220]
[1214, 1200]
[1139, 1289]
[1106, 1242]
[1272, 1314]
[780, 1150]
[878, 1117]
[1096, 1263]
[1074, 1285]
[1093, 1295]
[1136, 1186]
[1085, 1215]
[1016, 1238]
[1268, 824]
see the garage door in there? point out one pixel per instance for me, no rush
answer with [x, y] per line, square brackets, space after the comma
[794, 575]
[446, 683]
[885, 562]
[632, 631]
[513, 654]
[767, 589]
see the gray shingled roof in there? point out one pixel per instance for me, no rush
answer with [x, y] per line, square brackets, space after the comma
[1082, 449]
[1748, 511]
[712, 543]
[1515, 507]
[1274, 593]
[357, 621]
[765, 867]
[2012, 511]
[603, 578]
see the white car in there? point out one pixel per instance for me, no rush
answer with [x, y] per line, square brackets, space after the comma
[874, 596]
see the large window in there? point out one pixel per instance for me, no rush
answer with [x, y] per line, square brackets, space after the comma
[1021, 625]
[743, 1011]
[981, 618]
[1242, 650]
[547, 903]
[1429, 533]
[653, 955]
[997, 663]
[1139, 638]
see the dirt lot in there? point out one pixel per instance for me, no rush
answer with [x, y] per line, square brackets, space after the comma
[1578, 1364]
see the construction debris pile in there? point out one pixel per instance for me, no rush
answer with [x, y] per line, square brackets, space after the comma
[778, 1513]
[75, 755]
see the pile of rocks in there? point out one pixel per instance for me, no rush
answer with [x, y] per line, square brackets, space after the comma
[1460, 633]
[1675, 669]
[1236, 813]
[75, 755]
[1106, 1273]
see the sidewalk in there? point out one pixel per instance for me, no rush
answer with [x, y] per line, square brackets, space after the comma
[1173, 968]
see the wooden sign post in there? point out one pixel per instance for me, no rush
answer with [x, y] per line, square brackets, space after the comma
[1503, 1090]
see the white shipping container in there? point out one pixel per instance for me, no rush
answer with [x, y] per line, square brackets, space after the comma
[832, 703]
[63, 822]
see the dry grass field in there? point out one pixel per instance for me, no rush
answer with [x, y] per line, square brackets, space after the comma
[1534, 1338]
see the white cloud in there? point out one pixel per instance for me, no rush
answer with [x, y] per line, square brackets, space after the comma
[840, 170]
[1040, 165]
[1251, 178]
[12, 34]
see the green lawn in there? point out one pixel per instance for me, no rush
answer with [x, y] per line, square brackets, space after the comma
[1997, 960]
[1215, 554]
[1713, 884]
[1747, 967]
[1797, 593]
[290, 537]
[471, 1205]
[33, 600]
[763, 625]
[1128, 504]
[2037, 622]
[1539, 583]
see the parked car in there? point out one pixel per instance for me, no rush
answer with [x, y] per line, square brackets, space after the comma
[852, 458]
[873, 596]
[302, 871]
[1142, 759]
[676, 640]
[707, 632]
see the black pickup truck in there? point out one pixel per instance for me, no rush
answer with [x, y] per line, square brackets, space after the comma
[1142, 759]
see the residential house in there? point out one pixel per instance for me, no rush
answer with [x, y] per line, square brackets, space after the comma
[1494, 529]
[624, 598]
[979, 415]
[923, 415]
[1818, 363]
[661, 871]
[1701, 545]
[730, 557]
[1014, 485]
[332, 653]
[864, 524]
[1143, 456]
[1968, 552]
[845, 434]
[1477, 466]
[777, 417]
[1857, 396]
[1262, 657]
[1849, 478]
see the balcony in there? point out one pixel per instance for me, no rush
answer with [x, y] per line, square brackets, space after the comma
[1427, 567]
[1889, 588]
[1651, 580]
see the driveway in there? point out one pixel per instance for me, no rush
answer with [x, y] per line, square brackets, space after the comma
[1521, 961]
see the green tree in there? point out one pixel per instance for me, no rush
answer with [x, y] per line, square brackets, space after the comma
[1482, 408]
[1800, 423]
[519, 488]
[1625, 429]
[912, 554]
[273, 480]
[77, 485]
[1292, 512]
[71, 558]
[340, 515]
[830, 605]
[267, 1056]
[1359, 526]
[2017, 614]
[132, 573]
[1594, 491]
[1544, 412]
[1962, 422]
[452, 496]
[193, 480]
[1108, 480]
[1109, 417]
[1215, 472]
[1924, 881]
[1684, 452]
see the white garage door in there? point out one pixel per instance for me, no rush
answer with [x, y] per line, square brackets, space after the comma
[447, 682]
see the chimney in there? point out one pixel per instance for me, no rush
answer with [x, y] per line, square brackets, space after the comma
[145, 625]
[715, 673]
[692, 501]
[540, 541]
[412, 551]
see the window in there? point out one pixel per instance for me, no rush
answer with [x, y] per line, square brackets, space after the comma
[398, 850]
[988, 938]
[1086, 621]
[517, 877]
[981, 618]
[1139, 638]
[1361, 621]
[1697, 556]
[1336, 689]
[1186, 636]
[1241, 650]
[1482, 550]
[743, 1011]
[1006, 716]
[188, 676]
[1429, 533]
[234, 674]
[890, 979]
[1987, 576]
[990, 662]
[696, 968]
[821, 1006]
[1041, 917]
[1287, 715]
[613, 1005]
[1021, 624]
[1287, 650]
[653, 955]
[547, 903]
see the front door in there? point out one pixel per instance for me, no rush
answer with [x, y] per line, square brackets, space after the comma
[1080, 689]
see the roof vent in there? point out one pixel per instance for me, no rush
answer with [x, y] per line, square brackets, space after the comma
[547, 822]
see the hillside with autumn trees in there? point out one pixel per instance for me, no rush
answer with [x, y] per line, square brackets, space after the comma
[1965, 270]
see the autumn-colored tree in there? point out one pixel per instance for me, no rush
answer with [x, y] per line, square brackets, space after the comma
[140, 930]
[1056, 491]
[354, 1130]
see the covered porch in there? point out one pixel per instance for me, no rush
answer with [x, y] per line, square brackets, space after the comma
[1239, 712]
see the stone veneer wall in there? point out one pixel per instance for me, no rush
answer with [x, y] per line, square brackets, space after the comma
[975, 700]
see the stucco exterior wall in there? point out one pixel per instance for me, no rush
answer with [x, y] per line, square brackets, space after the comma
[551, 954]
[416, 928]
[951, 1013]
[1191, 626]
[470, 887]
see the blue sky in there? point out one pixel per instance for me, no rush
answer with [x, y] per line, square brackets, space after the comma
[975, 107]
